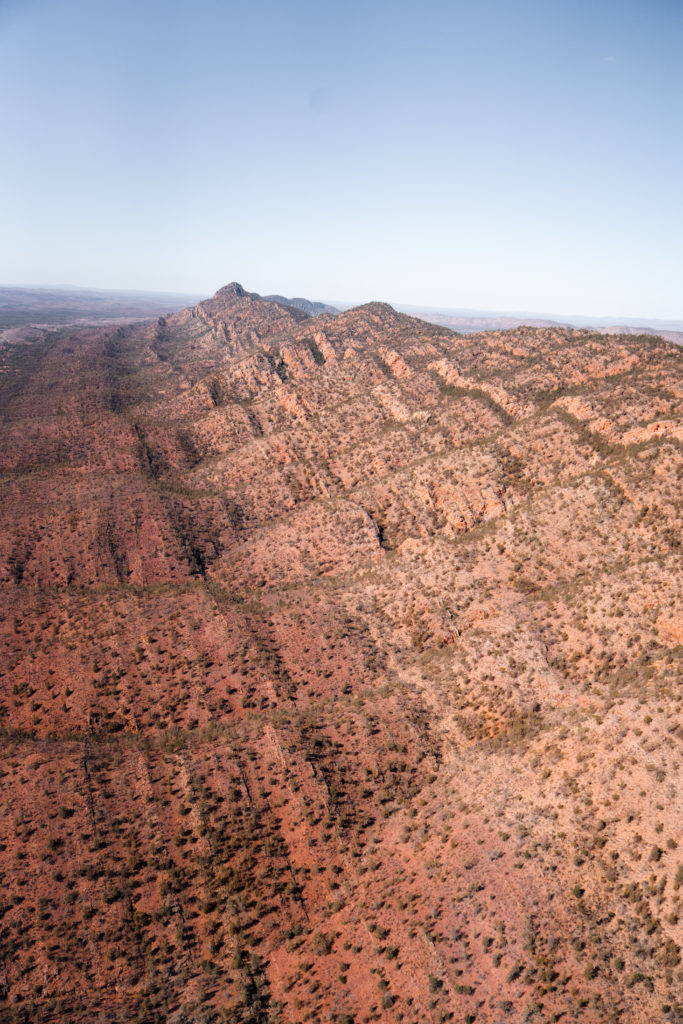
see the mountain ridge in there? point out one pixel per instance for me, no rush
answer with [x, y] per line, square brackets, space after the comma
[337, 655]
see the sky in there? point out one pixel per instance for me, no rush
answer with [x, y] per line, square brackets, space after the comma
[481, 154]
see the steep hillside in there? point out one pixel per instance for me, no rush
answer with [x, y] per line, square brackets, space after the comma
[340, 671]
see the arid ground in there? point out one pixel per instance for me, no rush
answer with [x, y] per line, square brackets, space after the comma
[340, 671]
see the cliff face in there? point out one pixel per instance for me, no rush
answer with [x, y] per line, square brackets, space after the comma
[340, 671]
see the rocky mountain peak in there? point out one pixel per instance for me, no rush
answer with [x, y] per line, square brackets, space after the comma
[232, 290]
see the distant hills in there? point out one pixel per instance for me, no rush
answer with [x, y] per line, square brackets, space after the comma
[21, 307]
[312, 308]
[43, 306]
[475, 321]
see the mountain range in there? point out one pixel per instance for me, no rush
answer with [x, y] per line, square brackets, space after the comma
[340, 664]
[59, 306]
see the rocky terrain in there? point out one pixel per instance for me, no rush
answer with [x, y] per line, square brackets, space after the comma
[340, 671]
[313, 308]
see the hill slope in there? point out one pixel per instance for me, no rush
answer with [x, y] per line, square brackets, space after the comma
[340, 671]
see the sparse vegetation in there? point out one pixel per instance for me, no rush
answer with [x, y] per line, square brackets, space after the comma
[340, 672]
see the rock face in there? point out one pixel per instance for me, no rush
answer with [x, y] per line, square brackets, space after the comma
[312, 308]
[340, 671]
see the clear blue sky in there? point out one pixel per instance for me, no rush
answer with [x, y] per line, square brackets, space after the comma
[489, 153]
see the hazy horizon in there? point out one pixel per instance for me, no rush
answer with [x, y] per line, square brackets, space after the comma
[573, 317]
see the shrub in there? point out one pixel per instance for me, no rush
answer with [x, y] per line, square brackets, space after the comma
[322, 944]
